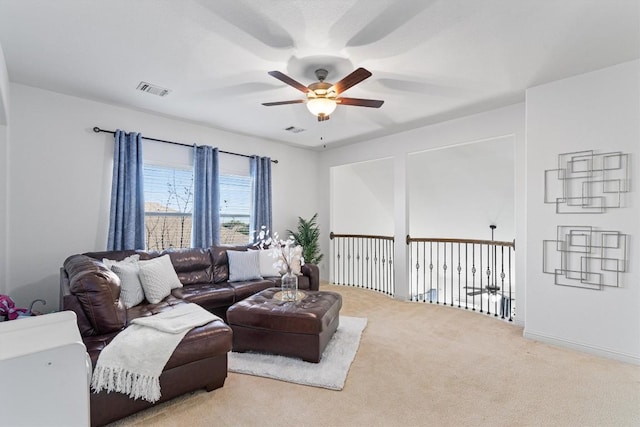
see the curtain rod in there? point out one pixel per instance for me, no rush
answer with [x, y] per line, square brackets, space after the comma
[96, 129]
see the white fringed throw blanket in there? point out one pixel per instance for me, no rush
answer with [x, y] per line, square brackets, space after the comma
[133, 361]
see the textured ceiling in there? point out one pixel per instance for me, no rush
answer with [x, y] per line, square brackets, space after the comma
[431, 60]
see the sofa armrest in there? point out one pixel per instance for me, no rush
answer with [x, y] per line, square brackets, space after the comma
[70, 302]
[313, 273]
[97, 291]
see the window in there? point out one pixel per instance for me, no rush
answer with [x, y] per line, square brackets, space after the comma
[235, 209]
[168, 205]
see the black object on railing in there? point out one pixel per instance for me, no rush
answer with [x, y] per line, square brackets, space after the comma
[364, 261]
[495, 292]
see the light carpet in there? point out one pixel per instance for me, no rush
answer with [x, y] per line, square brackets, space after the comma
[425, 365]
[330, 373]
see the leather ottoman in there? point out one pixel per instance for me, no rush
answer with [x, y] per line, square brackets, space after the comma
[301, 328]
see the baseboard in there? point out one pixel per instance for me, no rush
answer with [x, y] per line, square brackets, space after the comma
[518, 321]
[584, 348]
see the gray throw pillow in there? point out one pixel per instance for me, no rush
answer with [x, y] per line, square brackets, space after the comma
[244, 265]
[130, 259]
[131, 292]
[158, 278]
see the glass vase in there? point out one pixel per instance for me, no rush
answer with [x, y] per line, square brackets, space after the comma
[289, 286]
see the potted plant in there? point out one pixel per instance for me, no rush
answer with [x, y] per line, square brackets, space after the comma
[308, 236]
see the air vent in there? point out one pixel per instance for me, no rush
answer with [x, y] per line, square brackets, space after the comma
[294, 129]
[153, 89]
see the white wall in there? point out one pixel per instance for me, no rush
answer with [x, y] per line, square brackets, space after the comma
[595, 111]
[4, 120]
[356, 191]
[459, 191]
[3, 209]
[4, 90]
[60, 176]
[503, 122]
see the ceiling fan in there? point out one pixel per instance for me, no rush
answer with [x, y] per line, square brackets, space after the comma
[323, 97]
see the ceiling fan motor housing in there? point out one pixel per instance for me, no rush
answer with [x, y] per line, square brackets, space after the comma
[321, 74]
[320, 90]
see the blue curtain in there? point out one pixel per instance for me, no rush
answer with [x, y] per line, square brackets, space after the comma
[260, 194]
[126, 218]
[206, 197]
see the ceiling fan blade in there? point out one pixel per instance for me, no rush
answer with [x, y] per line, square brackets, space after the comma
[373, 103]
[288, 80]
[475, 293]
[351, 80]
[271, 104]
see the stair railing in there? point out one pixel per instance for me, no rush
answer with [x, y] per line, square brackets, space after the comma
[364, 261]
[467, 273]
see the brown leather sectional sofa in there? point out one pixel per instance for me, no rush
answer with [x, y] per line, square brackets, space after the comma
[92, 291]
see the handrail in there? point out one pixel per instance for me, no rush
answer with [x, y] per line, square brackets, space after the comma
[472, 241]
[362, 236]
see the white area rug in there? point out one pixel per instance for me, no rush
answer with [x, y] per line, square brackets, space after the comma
[330, 373]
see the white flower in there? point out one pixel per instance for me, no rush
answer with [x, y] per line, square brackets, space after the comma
[289, 254]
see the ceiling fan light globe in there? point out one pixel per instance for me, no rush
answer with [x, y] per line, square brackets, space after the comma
[318, 106]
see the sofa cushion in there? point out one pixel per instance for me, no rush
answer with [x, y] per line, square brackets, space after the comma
[98, 292]
[120, 255]
[149, 309]
[158, 278]
[244, 265]
[248, 288]
[207, 295]
[192, 265]
[209, 340]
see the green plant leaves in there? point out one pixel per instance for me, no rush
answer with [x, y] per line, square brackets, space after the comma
[307, 235]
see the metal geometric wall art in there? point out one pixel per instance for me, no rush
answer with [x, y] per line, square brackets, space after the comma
[584, 257]
[586, 182]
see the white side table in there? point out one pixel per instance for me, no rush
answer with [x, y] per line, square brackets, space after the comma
[45, 371]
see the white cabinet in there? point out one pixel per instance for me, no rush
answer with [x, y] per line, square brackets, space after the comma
[45, 372]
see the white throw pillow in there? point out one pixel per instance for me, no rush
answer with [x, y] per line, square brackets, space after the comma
[269, 262]
[158, 277]
[128, 260]
[244, 265]
[131, 292]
